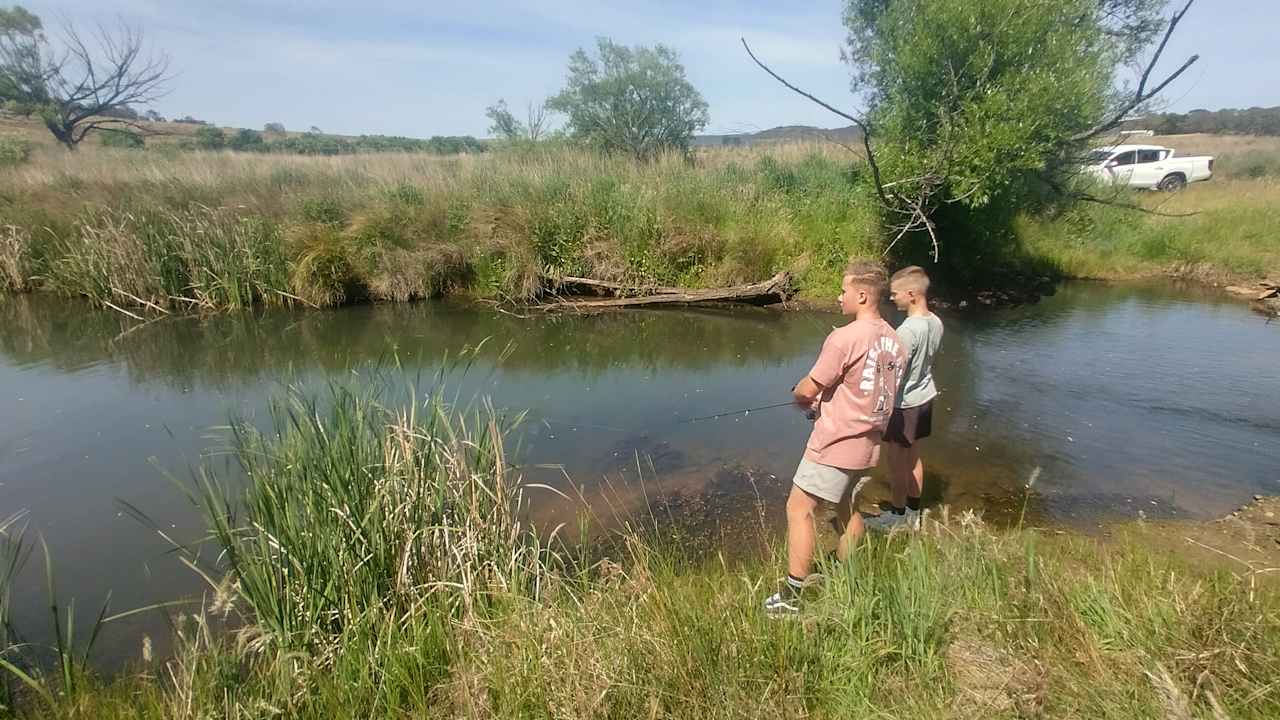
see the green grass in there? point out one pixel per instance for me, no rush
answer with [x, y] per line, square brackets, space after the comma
[14, 151]
[376, 565]
[223, 231]
[1229, 233]
[156, 231]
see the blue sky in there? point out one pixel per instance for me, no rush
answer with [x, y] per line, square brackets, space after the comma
[431, 68]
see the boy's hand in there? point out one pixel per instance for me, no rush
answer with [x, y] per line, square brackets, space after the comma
[806, 392]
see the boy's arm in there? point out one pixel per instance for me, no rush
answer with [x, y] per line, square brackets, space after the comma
[826, 372]
[907, 337]
[806, 391]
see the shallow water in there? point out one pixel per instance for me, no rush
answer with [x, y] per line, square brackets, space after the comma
[1155, 399]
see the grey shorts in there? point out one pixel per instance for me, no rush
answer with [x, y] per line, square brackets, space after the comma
[824, 481]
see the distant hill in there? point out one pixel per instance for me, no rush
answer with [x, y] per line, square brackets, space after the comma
[782, 134]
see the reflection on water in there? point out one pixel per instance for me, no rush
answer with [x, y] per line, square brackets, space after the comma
[1128, 398]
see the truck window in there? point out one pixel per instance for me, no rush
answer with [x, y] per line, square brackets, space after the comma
[1124, 158]
[1150, 156]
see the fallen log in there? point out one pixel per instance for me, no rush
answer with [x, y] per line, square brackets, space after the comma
[579, 285]
[774, 290]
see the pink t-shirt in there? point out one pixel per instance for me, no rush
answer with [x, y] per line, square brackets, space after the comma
[858, 369]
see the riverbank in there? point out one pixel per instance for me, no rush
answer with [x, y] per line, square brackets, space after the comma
[379, 567]
[154, 232]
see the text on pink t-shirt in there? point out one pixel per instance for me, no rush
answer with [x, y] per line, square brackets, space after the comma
[858, 369]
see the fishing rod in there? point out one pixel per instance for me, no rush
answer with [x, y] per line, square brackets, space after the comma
[716, 416]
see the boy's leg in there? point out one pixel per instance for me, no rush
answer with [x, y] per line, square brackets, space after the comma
[801, 532]
[904, 498]
[851, 526]
[914, 477]
[899, 461]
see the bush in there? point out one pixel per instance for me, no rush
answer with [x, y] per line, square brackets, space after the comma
[126, 139]
[14, 151]
[245, 140]
[210, 138]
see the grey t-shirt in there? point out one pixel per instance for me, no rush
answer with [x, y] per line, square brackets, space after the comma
[921, 335]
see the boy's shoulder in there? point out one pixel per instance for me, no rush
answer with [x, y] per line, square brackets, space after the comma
[861, 332]
[921, 323]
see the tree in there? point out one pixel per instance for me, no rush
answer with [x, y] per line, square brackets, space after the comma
[977, 109]
[78, 90]
[153, 116]
[633, 100]
[22, 77]
[274, 127]
[506, 127]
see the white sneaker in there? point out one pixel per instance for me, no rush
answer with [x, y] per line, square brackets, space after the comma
[889, 521]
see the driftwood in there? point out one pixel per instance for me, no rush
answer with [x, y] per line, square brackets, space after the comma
[1263, 290]
[580, 285]
[774, 290]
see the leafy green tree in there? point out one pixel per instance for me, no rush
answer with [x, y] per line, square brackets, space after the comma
[504, 125]
[274, 127]
[981, 104]
[630, 99]
[23, 75]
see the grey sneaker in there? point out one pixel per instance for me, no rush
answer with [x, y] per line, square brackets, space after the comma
[788, 599]
[782, 603]
[889, 521]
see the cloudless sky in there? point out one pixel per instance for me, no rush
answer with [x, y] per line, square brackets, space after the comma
[431, 68]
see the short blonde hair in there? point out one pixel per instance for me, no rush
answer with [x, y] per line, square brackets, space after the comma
[867, 274]
[912, 276]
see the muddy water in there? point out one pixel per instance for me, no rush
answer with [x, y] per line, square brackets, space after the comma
[1151, 399]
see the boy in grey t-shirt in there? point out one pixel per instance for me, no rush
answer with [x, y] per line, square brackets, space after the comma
[912, 420]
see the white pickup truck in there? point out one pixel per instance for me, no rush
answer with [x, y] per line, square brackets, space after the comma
[1147, 166]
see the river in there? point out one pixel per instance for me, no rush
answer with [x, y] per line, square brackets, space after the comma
[1155, 399]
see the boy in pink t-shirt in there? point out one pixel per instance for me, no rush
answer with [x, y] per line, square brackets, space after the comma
[850, 392]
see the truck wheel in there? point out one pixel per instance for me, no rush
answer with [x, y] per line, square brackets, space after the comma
[1173, 183]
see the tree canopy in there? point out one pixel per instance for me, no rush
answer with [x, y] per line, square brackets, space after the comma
[975, 104]
[630, 99]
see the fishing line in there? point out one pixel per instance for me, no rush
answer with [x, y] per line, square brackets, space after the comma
[744, 411]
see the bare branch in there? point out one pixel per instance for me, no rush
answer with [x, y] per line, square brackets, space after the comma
[1086, 197]
[1142, 95]
[863, 125]
[1083, 196]
[87, 89]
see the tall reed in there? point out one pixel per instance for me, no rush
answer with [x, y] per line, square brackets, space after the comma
[353, 511]
[13, 555]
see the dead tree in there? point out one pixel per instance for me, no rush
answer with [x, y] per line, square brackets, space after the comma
[87, 89]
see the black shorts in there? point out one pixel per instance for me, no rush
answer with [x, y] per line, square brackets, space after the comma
[907, 425]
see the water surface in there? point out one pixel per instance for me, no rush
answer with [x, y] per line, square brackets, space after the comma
[1154, 399]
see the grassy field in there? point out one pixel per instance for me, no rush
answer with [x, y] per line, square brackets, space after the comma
[376, 566]
[226, 230]
[1225, 230]
[180, 230]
